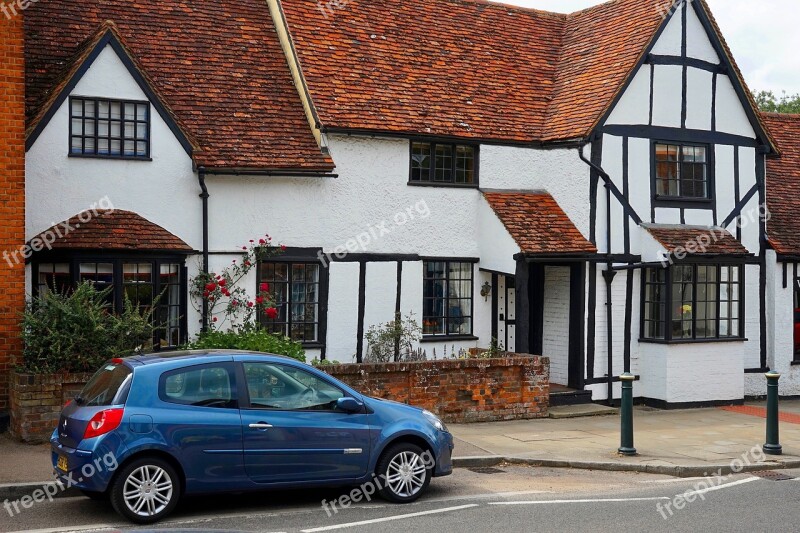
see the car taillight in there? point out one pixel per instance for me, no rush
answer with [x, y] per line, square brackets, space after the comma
[103, 422]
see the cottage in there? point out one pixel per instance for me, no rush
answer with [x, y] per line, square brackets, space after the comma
[590, 186]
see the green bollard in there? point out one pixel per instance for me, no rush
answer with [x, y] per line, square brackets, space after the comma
[773, 446]
[626, 414]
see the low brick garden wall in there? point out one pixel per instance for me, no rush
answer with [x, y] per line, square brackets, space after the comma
[37, 400]
[459, 390]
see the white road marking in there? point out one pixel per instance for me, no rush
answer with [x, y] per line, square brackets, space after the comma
[599, 500]
[725, 486]
[389, 518]
[92, 527]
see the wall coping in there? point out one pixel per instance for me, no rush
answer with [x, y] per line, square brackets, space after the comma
[444, 364]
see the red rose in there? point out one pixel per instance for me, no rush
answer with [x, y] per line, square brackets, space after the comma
[272, 313]
[260, 300]
[226, 292]
[250, 304]
[222, 282]
[247, 263]
[244, 247]
[283, 247]
[264, 287]
[215, 319]
[262, 241]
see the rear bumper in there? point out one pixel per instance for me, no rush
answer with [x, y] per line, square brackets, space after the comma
[91, 466]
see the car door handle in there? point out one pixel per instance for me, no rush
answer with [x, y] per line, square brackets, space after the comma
[260, 425]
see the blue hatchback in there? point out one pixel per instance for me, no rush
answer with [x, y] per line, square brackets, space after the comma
[147, 430]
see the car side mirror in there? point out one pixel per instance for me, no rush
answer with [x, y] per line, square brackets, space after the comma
[349, 405]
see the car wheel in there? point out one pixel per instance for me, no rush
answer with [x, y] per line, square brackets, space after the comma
[96, 496]
[146, 490]
[403, 474]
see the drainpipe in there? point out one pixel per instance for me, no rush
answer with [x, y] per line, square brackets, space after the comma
[608, 274]
[201, 172]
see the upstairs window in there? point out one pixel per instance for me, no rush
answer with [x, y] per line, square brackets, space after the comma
[443, 164]
[682, 172]
[109, 128]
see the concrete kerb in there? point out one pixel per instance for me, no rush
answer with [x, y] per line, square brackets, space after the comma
[682, 471]
[15, 491]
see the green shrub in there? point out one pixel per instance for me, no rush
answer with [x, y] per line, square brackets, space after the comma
[76, 332]
[394, 341]
[250, 339]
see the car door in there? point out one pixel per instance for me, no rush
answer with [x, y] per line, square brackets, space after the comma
[293, 430]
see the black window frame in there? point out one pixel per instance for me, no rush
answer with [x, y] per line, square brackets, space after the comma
[686, 202]
[74, 260]
[305, 256]
[427, 337]
[667, 319]
[431, 182]
[96, 154]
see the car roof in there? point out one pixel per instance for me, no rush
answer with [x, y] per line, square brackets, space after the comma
[210, 355]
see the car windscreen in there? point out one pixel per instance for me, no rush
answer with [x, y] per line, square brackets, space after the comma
[109, 386]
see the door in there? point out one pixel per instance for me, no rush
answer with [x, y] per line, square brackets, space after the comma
[293, 431]
[506, 312]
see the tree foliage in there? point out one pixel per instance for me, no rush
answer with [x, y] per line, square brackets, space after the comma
[785, 103]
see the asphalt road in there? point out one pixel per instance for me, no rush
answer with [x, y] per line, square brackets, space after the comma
[510, 499]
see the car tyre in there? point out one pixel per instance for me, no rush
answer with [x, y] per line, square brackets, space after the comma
[146, 490]
[403, 473]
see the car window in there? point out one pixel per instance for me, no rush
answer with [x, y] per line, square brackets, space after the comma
[199, 386]
[287, 388]
[107, 387]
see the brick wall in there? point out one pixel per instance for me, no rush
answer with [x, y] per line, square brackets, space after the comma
[460, 390]
[37, 400]
[12, 193]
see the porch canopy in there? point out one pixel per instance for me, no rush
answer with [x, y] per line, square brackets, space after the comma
[538, 224]
[681, 241]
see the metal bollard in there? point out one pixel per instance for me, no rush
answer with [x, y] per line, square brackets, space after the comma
[772, 446]
[626, 415]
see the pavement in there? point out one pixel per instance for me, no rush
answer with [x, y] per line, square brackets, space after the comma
[680, 443]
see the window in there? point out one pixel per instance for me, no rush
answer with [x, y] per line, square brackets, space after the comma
[134, 279]
[284, 387]
[692, 303]
[200, 386]
[443, 164]
[447, 298]
[296, 287]
[109, 128]
[682, 172]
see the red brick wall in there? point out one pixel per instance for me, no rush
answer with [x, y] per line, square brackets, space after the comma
[459, 390]
[12, 192]
[37, 400]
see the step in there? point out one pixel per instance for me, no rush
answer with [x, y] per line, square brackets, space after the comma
[570, 398]
[579, 411]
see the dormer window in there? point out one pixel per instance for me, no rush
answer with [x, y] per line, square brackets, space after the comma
[682, 172]
[109, 128]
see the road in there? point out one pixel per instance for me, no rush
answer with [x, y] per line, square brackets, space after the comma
[508, 499]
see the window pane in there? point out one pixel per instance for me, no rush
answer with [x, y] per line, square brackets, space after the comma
[444, 163]
[420, 161]
[681, 171]
[101, 127]
[283, 387]
[296, 289]
[465, 164]
[200, 387]
[54, 277]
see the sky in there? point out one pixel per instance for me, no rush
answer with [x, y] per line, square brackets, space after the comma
[764, 36]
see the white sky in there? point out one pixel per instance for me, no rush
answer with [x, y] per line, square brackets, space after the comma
[764, 36]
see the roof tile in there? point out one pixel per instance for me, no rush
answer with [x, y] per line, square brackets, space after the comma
[783, 184]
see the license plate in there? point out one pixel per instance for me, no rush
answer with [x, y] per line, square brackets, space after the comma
[62, 463]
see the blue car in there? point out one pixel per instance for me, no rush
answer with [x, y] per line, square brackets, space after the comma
[147, 430]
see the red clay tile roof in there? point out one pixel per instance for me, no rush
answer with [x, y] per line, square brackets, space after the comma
[113, 230]
[704, 240]
[218, 67]
[468, 68]
[783, 184]
[537, 223]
